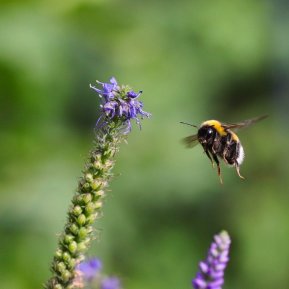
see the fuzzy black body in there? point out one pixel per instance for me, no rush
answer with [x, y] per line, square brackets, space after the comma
[215, 145]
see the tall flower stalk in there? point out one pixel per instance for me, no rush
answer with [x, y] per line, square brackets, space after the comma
[211, 274]
[120, 105]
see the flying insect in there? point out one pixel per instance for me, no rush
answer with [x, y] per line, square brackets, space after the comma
[220, 142]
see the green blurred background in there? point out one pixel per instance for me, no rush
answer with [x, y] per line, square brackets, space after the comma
[194, 60]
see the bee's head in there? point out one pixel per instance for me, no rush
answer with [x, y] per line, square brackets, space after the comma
[206, 134]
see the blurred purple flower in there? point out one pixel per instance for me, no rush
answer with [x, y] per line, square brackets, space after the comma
[110, 283]
[211, 274]
[90, 268]
[119, 103]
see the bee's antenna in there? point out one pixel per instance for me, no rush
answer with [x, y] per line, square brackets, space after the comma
[189, 124]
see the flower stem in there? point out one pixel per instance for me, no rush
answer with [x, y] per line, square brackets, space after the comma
[86, 207]
[119, 106]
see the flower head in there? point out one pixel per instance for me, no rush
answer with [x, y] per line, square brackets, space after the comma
[211, 274]
[110, 283]
[90, 268]
[120, 104]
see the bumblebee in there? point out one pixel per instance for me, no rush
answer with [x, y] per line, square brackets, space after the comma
[220, 142]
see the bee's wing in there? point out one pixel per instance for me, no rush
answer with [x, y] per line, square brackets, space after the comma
[244, 123]
[191, 140]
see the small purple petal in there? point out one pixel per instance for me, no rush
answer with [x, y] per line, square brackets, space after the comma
[132, 94]
[110, 283]
[90, 268]
[217, 283]
[204, 267]
[199, 283]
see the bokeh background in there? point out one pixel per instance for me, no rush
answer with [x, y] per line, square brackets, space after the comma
[194, 60]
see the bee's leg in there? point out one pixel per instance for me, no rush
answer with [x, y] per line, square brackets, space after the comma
[219, 168]
[209, 156]
[238, 170]
[226, 151]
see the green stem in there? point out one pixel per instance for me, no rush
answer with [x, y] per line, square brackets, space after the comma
[85, 208]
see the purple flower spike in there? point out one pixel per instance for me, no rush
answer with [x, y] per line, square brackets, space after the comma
[211, 274]
[90, 268]
[119, 105]
[110, 283]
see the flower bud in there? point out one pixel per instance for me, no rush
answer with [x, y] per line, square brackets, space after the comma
[66, 257]
[81, 220]
[98, 205]
[68, 239]
[71, 263]
[74, 229]
[77, 210]
[82, 246]
[66, 275]
[60, 267]
[58, 254]
[86, 186]
[82, 233]
[97, 164]
[89, 177]
[72, 247]
[89, 209]
[86, 198]
[95, 185]
[90, 219]
[99, 193]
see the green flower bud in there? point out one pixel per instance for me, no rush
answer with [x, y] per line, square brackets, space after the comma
[71, 263]
[86, 186]
[98, 204]
[74, 229]
[89, 177]
[96, 184]
[77, 210]
[82, 246]
[99, 193]
[72, 247]
[66, 257]
[97, 164]
[60, 267]
[58, 254]
[82, 233]
[89, 209]
[81, 220]
[66, 275]
[86, 198]
[68, 239]
[90, 219]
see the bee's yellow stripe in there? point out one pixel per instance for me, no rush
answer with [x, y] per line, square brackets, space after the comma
[234, 137]
[220, 129]
[217, 125]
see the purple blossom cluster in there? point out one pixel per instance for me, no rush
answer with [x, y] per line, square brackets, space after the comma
[90, 268]
[211, 274]
[89, 272]
[120, 103]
